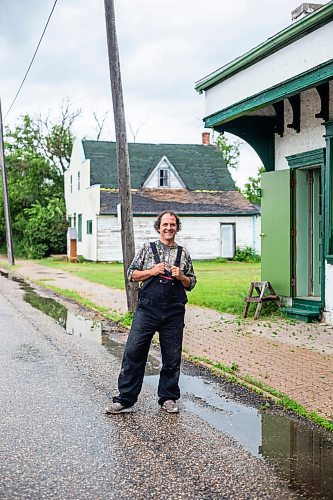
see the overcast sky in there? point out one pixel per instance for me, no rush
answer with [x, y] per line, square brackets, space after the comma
[165, 47]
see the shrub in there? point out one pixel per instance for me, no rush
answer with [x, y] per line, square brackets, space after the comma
[246, 254]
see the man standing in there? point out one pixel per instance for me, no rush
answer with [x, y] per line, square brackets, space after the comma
[165, 270]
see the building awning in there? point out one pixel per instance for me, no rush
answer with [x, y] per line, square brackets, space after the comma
[309, 79]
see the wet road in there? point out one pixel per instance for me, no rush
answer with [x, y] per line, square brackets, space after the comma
[56, 441]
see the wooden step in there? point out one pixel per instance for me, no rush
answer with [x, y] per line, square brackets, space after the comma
[301, 314]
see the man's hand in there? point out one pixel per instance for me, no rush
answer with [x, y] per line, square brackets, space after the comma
[148, 273]
[177, 273]
[158, 269]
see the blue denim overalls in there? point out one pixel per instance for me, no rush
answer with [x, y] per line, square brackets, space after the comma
[161, 307]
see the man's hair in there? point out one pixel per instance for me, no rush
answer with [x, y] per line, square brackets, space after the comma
[157, 223]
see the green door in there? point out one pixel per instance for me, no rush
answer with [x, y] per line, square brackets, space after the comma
[275, 230]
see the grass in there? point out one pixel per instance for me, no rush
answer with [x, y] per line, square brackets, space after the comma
[221, 285]
[102, 273]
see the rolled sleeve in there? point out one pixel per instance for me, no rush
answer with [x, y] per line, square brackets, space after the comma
[137, 263]
[189, 272]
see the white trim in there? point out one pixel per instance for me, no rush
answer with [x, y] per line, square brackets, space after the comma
[164, 159]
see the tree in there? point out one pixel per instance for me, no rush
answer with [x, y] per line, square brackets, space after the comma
[44, 229]
[230, 151]
[55, 138]
[252, 189]
[37, 153]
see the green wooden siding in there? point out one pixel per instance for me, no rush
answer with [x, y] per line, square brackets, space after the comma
[275, 228]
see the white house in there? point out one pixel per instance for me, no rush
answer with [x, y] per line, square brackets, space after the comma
[279, 98]
[190, 179]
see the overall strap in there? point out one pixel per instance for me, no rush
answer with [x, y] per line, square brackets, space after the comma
[179, 254]
[155, 253]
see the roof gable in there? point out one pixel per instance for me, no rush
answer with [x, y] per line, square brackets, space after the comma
[200, 167]
[153, 177]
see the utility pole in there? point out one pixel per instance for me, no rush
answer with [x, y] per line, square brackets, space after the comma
[9, 237]
[124, 176]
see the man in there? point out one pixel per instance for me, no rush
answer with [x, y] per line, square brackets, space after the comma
[165, 270]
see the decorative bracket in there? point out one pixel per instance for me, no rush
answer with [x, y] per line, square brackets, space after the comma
[279, 122]
[295, 103]
[324, 94]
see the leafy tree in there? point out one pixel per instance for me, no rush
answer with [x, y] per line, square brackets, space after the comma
[230, 151]
[37, 153]
[44, 229]
[252, 189]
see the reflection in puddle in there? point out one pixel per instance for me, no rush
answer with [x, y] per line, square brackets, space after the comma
[45, 304]
[301, 455]
[82, 327]
[117, 348]
[304, 457]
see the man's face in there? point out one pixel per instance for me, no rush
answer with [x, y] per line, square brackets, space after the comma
[168, 228]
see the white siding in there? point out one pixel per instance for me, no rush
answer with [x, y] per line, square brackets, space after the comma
[328, 315]
[200, 235]
[288, 62]
[85, 201]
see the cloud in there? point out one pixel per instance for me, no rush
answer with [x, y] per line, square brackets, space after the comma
[165, 47]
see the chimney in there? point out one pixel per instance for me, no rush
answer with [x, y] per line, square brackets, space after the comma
[205, 138]
[304, 10]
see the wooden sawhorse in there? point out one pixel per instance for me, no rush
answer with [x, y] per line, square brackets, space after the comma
[261, 287]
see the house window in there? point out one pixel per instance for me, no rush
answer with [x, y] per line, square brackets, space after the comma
[164, 177]
[74, 220]
[71, 183]
[69, 221]
[79, 227]
[89, 226]
[78, 181]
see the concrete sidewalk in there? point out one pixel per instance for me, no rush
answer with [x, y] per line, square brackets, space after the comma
[296, 359]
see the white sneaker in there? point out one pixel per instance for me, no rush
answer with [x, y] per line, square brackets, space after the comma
[170, 406]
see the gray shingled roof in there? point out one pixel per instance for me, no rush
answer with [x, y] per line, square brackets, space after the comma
[200, 167]
[154, 201]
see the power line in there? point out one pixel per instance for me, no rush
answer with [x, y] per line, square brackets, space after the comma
[32, 60]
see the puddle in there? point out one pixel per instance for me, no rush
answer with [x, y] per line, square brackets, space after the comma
[47, 305]
[302, 456]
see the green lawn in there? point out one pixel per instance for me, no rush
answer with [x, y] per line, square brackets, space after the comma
[221, 285]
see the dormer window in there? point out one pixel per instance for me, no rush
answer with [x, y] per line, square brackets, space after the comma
[164, 177]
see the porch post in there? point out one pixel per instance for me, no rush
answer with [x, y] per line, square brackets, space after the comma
[329, 192]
